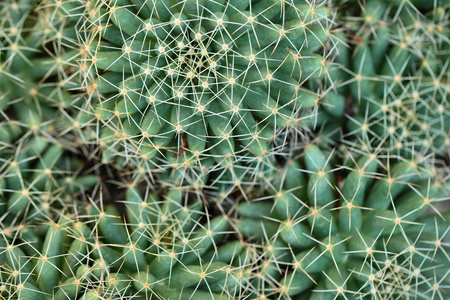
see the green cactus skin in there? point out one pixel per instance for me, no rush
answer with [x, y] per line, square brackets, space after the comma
[203, 99]
[37, 52]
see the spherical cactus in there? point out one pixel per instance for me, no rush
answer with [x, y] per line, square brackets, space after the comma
[165, 246]
[186, 81]
[397, 78]
[352, 231]
[36, 53]
[37, 174]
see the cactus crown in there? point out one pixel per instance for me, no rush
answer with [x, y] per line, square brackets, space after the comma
[193, 80]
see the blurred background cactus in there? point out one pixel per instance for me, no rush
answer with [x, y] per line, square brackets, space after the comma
[397, 76]
[93, 252]
[360, 236]
[224, 149]
[38, 54]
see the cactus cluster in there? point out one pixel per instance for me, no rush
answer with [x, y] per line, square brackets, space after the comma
[225, 149]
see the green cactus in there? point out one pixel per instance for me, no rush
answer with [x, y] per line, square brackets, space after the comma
[36, 53]
[396, 76]
[38, 175]
[174, 150]
[191, 81]
[166, 246]
[360, 237]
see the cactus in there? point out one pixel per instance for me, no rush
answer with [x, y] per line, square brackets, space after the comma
[39, 172]
[36, 53]
[363, 236]
[191, 81]
[311, 237]
[226, 149]
[397, 77]
[157, 250]
[38, 176]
